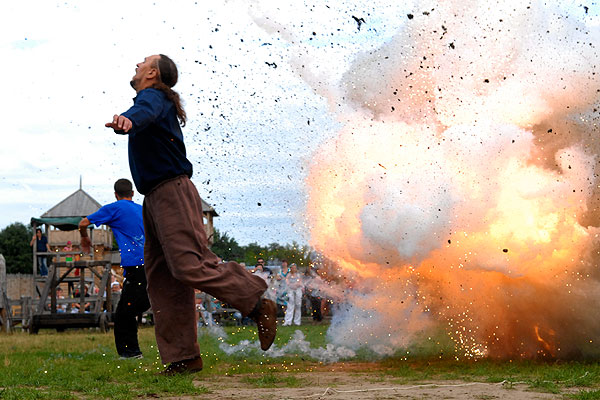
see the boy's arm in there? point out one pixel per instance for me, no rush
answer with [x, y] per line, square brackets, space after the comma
[85, 240]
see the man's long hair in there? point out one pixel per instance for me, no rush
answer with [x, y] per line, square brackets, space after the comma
[168, 78]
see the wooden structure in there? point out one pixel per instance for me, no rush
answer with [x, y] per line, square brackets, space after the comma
[79, 275]
[208, 213]
[61, 223]
[88, 308]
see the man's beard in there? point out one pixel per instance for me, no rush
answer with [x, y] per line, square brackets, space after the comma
[134, 83]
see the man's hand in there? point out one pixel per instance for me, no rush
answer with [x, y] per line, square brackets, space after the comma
[85, 244]
[119, 123]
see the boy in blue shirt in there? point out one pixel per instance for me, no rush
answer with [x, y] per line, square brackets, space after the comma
[125, 219]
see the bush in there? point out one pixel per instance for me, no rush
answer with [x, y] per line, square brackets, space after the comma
[14, 246]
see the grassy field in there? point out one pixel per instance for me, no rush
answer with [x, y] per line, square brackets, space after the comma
[84, 364]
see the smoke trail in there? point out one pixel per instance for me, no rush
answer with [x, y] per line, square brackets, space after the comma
[213, 330]
[297, 345]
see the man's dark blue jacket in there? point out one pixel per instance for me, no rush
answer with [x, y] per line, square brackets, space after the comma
[156, 149]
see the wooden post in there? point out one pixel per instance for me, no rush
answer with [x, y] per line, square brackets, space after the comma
[104, 283]
[53, 290]
[25, 311]
[52, 259]
[92, 247]
[82, 290]
[109, 289]
[211, 230]
[44, 295]
[4, 303]
[34, 257]
[3, 283]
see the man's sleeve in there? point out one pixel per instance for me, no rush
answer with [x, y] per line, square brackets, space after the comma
[104, 216]
[147, 107]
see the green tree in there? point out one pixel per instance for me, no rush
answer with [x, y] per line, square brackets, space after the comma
[253, 252]
[14, 246]
[226, 247]
[292, 253]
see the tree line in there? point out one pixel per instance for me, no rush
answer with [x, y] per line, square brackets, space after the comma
[14, 246]
[228, 249]
[15, 238]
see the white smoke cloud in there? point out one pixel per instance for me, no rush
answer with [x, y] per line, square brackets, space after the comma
[297, 346]
[467, 62]
[467, 179]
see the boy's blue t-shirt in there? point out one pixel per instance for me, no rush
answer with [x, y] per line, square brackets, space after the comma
[125, 219]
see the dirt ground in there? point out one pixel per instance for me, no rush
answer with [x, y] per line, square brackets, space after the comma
[353, 386]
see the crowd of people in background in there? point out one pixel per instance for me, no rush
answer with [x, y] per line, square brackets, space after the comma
[295, 292]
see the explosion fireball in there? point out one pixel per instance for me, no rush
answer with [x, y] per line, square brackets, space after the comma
[462, 191]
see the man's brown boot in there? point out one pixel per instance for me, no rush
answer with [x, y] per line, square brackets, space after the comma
[266, 321]
[183, 367]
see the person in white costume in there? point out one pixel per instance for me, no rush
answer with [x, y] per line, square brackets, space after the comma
[294, 285]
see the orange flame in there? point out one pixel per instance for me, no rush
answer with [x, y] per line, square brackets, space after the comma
[496, 246]
[549, 347]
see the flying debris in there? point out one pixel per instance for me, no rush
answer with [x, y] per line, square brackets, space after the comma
[359, 21]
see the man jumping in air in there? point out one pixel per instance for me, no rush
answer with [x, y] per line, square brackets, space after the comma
[177, 257]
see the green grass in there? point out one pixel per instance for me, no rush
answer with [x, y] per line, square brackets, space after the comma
[77, 364]
[270, 379]
[84, 364]
[586, 395]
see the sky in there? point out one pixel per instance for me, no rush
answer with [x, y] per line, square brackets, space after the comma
[259, 81]
[248, 133]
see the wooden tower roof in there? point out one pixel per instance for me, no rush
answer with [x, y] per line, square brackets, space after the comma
[207, 208]
[78, 204]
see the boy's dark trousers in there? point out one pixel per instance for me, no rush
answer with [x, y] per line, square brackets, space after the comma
[133, 302]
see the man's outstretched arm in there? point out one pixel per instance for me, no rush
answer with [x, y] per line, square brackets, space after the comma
[146, 108]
